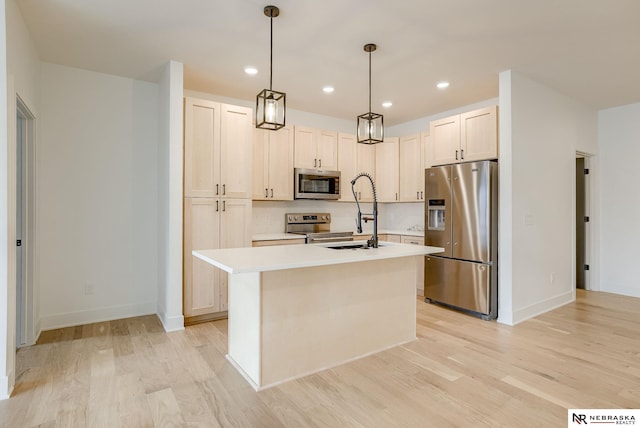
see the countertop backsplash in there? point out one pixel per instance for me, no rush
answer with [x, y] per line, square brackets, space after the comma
[268, 217]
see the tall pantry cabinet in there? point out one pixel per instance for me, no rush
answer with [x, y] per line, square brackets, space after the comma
[217, 203]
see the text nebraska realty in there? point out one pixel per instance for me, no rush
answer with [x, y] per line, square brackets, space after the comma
[612, 419]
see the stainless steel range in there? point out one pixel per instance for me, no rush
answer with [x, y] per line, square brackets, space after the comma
[316, 227]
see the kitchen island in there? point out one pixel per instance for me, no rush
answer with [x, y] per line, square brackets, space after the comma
[298, 309]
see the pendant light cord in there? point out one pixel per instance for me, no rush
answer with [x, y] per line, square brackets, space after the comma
[271, 53]
[369, 81]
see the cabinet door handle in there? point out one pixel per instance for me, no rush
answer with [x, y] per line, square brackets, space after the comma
[217, 189]
[456, 155]
[421, 195]
[396, 196]
[315, 163]
[224, 205]
[461, 154]
[272, 192]
[417, 195]
[360, 195]
[319, 163]
[217, 206]
[266, 193]
[224, 189]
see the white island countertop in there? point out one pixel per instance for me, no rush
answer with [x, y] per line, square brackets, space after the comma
[262, 259]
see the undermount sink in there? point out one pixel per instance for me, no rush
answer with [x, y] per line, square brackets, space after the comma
[351, 246]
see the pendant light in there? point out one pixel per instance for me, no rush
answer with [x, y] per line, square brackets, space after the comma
[370, 125]
[270, 104]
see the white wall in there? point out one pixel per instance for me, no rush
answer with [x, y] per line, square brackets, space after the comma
[97, 197]
[170, 154]
[294, 117]
[618, 140]
[540, 131]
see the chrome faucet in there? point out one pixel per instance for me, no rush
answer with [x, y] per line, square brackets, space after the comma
[373, 242]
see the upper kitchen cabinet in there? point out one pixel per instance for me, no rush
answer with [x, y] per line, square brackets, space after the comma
[347, 155]
[273, 164]
[315, 148]
[217, 150]
[413, 161]
[466, 137]
[388, 170]
[479, 134]
[365, 162]
[353, 159]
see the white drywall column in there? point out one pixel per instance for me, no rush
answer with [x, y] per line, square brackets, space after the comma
[505, 201]
[7, 302]
[618, 136]
[541, 130]
[170, 198]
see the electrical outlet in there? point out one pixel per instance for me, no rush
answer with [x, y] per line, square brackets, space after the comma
[88, 289]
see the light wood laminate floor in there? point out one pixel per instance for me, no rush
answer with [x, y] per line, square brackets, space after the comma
[461, 372]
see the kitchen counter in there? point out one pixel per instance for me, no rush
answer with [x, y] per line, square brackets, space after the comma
[275, 236]
[262, 259]
[298, 309]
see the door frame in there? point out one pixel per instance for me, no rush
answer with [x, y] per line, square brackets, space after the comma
[28, 308]
[590, 282]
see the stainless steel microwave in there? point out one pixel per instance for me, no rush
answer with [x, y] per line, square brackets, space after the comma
[316, 184]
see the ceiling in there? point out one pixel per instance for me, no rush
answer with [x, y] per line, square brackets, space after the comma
[587, 49]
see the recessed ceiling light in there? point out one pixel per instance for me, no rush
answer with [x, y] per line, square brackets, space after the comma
[251, 70]
[328, 89]
[387, 104]
[443, 84]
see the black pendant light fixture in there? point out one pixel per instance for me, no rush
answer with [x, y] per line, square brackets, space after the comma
[270, 104]
[370, 125]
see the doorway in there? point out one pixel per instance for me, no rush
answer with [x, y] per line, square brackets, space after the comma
[583, 221]
[25, 221]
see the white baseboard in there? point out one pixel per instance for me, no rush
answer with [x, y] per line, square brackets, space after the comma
[541, 307]
[97, 315]
[6, 385]
[170, 322]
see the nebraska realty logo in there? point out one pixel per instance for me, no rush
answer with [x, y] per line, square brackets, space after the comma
[582, 417]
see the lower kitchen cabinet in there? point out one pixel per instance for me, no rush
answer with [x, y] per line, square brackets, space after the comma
[210, 223]
[417, 240]
[392, 238]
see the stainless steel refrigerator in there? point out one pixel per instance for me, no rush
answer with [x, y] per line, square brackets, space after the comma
[461, 215]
